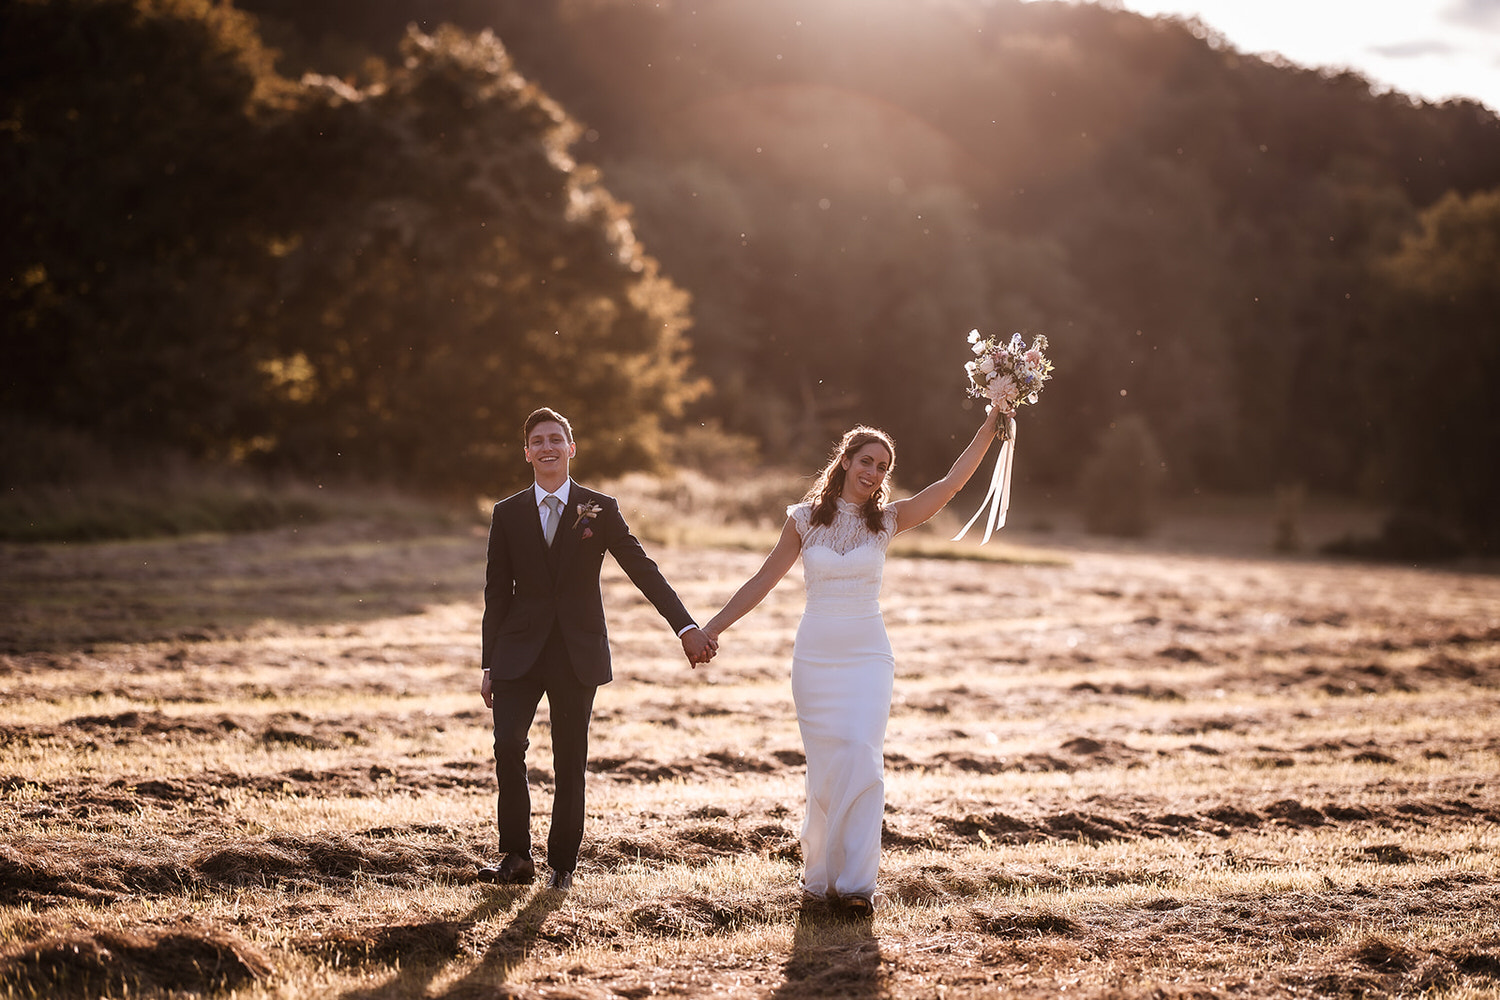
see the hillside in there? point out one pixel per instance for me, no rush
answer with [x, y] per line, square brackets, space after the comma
[771, 219]
[845, 190]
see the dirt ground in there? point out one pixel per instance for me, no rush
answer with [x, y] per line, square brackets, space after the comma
[259, 766]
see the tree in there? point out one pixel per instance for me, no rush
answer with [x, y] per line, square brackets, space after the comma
[380, 282]
[1122, 480]
[1433, 368]
[451, 267]
[128, 210]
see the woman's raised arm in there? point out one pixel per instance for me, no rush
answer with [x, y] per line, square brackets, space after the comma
[918, 509]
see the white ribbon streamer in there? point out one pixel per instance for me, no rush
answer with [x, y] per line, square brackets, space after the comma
[998, 497]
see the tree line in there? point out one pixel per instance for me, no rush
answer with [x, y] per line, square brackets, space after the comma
[365, 249]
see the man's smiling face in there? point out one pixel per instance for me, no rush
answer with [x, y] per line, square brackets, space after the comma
[548, 451]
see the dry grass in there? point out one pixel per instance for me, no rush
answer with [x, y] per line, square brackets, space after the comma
[257, 766]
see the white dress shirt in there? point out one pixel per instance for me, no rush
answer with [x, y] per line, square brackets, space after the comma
[563, 492]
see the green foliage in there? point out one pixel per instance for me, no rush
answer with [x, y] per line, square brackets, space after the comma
[377, 282]
[380, 274]
[460, 270]
[125, 213]
[1435, 364]
[846, 191]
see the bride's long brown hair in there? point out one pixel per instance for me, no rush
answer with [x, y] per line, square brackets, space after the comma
[825, 491]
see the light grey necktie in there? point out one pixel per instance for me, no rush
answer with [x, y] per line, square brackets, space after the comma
[554, 514]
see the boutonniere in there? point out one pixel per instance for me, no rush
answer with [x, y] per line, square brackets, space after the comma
[586, 513]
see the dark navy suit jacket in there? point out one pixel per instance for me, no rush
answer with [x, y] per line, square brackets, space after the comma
[530, 587]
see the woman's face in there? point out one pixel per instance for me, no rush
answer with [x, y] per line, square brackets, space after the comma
[865, 471]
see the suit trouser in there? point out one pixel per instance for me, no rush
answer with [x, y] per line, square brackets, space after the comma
[570, 703]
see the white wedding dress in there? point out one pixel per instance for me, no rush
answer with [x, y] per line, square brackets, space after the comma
[842, 673]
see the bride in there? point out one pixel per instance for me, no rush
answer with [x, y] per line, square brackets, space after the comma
[842, 666]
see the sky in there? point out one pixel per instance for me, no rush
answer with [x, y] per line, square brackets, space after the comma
[1431, 49]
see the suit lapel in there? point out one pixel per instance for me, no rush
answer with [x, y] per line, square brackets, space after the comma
[527, 518]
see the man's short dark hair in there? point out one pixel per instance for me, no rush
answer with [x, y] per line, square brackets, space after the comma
[542, 416]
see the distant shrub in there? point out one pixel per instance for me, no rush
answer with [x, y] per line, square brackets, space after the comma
[1286, 528]
[752, 500]
[716, 453]
[1404, 537]
[1120, 485]
[34, 453]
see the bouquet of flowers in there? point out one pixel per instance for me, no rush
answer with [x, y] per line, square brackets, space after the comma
[1006, 374]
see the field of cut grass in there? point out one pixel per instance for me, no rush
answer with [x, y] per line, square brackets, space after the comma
[258, 766]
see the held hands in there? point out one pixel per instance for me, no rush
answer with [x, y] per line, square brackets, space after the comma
[699, 646]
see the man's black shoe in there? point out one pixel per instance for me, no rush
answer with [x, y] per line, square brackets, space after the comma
[513, 869]
[560, 880]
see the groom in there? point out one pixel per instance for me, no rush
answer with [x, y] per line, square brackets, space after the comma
[544, 633]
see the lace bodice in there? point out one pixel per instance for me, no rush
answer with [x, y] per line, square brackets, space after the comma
[842, 562]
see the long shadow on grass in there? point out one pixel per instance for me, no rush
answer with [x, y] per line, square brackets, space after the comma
[509, 947]
[832, 956]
